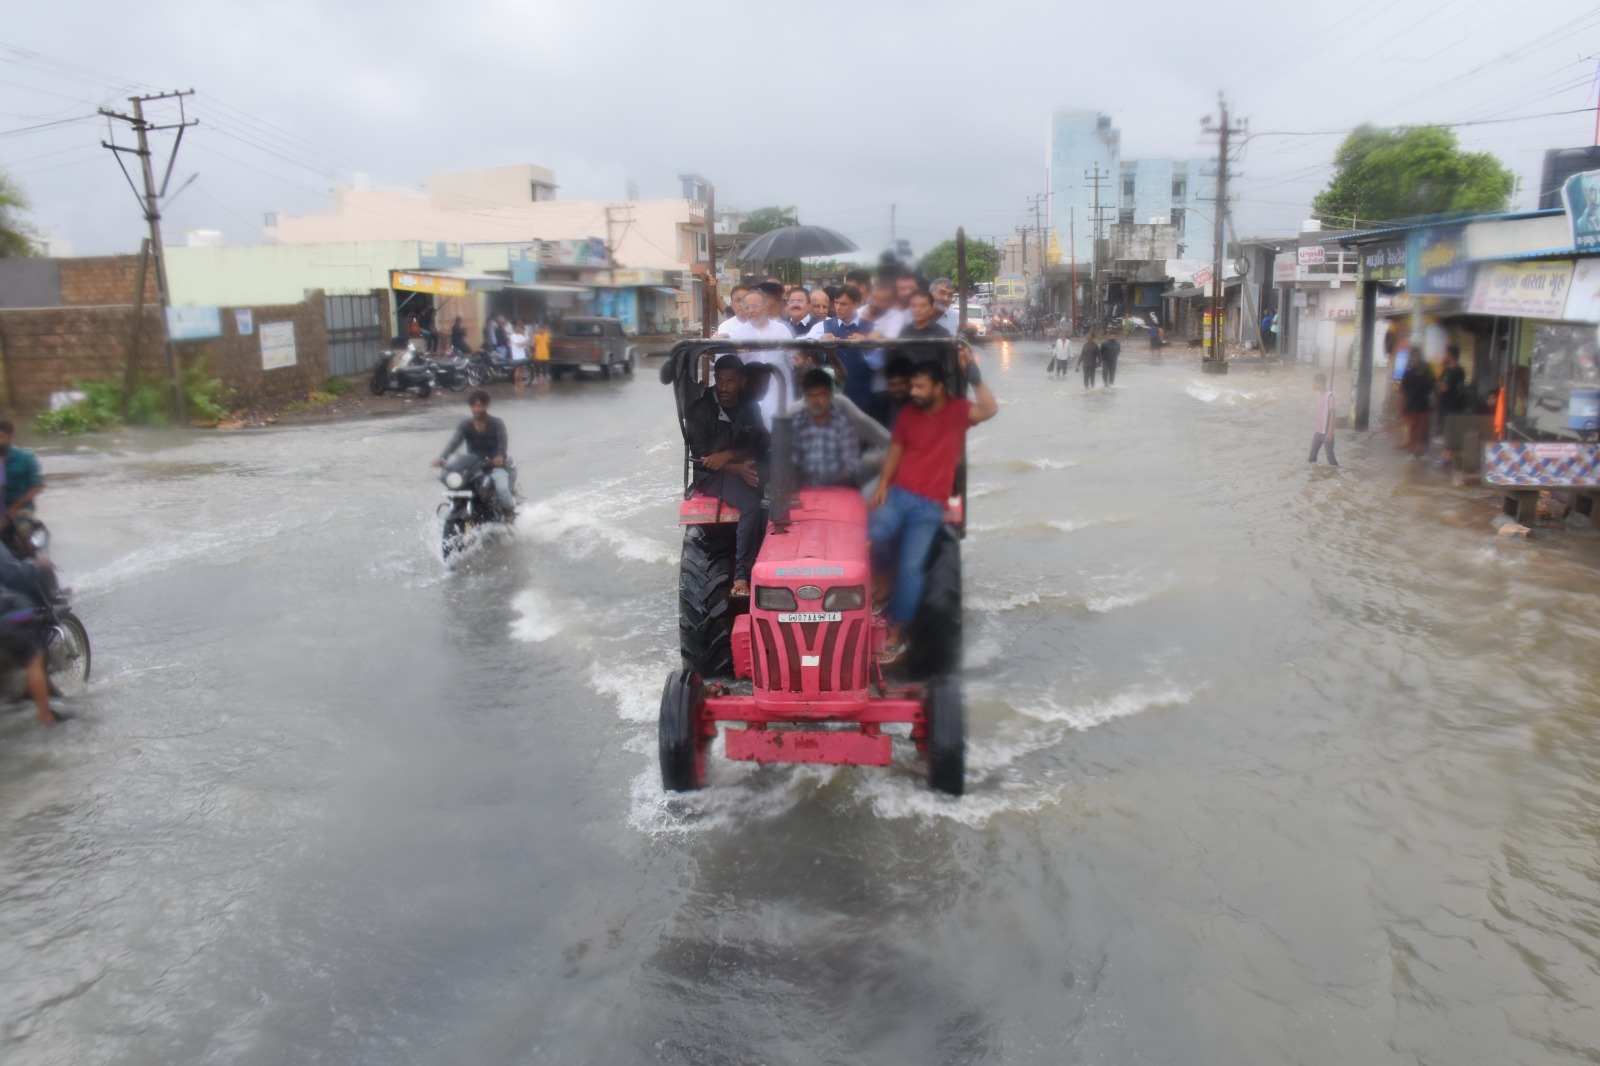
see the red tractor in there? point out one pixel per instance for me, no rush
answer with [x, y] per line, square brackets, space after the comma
[795, 667]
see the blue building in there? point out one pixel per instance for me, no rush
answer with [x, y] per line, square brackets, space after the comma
[1132, 191]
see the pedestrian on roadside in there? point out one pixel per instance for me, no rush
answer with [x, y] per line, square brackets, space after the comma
[1322, 436]
[1452, 402]
[541, 354]
[1416, 396]
[1089, 356]
[519, 352]
[1266, 333]
[1110, 348]
[458, 338]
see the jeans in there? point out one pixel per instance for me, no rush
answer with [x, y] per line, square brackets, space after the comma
[1108, 369]
[913, 521]
[732, 490]
[1318, 441]
[500, 478]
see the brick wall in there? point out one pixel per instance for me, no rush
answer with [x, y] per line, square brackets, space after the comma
[98, 281]
[47, 350]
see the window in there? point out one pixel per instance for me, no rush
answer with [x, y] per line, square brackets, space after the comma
[700, 244]
[1125, 217]
[575, 328]
[1177, 220]
[1127, 188]
[1180, 189]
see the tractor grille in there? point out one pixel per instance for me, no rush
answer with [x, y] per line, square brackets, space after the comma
[776, 665]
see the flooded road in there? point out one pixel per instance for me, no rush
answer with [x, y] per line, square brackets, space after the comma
[1268, 763]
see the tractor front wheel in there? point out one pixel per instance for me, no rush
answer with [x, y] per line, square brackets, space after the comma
[683, 747]
[947, 735]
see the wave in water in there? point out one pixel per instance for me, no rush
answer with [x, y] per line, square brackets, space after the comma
[539, 619]
[1097, 711]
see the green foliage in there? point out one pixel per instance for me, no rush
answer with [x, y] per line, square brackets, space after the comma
[206, 397]
[16, 237]
[100, 408]
[338, 386]
[1385, 174]
[983, 261]
[767, 219]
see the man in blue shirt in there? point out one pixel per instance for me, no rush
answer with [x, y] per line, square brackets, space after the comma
[23, 482]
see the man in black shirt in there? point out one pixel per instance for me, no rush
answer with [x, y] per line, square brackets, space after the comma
[1110, 348]
[485, 438]
[729, 445]
[1089, 357]
[924, 324]
[1416, 390]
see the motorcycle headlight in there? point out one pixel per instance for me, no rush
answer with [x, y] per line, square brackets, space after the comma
[452, 480]
[40, 538]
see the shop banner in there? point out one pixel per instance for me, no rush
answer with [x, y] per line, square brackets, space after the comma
[1436, 262]
[1583, 302]
[1312, 255]
[1286, 271]
[1545, 465]
[1383, 262]
[584, 252]
[429, 283]
[1581, 196]
[1522, 290]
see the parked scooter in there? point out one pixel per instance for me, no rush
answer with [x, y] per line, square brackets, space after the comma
[403, 370]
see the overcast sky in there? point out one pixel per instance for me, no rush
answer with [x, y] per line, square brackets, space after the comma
[940, 107]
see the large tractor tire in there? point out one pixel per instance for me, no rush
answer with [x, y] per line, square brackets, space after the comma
[705, 615]
[947, 736]
[683, 747]
[933, 645]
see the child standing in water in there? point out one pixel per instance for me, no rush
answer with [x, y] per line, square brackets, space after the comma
[1324, 420]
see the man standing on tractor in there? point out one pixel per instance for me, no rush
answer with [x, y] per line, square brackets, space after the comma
[919, 473]
[826, 446]
[729, 442]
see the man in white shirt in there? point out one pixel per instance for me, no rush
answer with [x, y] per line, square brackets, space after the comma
[944, 298]
[759, 325]
[736, 301]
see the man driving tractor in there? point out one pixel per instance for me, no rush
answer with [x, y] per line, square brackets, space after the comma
[729, 444]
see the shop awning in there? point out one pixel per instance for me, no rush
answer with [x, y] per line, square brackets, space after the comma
[665, 291]
[545, 286]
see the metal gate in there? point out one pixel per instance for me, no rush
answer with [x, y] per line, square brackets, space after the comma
[355, 334]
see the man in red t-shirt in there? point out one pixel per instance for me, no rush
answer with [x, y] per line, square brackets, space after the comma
[918, 473]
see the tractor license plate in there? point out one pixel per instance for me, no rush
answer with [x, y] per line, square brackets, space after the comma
[812, 616]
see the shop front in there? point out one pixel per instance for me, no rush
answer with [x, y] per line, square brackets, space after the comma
[425, 304]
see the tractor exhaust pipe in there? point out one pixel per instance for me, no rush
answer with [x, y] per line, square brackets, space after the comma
[781, 486]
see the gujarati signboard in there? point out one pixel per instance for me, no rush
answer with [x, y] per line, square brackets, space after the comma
[1522, 290]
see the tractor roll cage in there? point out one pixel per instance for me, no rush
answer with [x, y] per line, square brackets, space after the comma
[688, 370]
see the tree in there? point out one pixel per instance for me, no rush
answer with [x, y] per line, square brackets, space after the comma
[16, 237]
[767, 219]
[1383, 174]
[983, 261]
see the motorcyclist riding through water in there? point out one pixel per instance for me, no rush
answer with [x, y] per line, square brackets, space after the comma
[485, 438]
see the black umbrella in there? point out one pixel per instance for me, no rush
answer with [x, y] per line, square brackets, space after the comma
[795, 242]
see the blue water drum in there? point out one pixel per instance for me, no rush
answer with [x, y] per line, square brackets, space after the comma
[1583, 411]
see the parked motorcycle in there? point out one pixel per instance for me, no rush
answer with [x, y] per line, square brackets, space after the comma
[402, 370]
[470, 500]
[492, 366]
[454, 372]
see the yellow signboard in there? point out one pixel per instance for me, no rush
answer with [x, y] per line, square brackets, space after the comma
[406, 281]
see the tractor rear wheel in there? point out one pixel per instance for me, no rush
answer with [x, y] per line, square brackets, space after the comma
[947, 735]
[683, 748]
[933, 645]
[705, 615]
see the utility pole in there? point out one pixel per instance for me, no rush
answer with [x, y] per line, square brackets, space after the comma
[150, 203]
[711, 302]
[1037, 205]
[1217, 362]
[1094, 277]
[1072, 250]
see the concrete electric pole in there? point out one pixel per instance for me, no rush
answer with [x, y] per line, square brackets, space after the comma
[150, 203]
[1217, 361]
[1094, 276]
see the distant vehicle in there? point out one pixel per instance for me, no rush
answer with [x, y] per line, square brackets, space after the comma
[978, 319]
[590, 344]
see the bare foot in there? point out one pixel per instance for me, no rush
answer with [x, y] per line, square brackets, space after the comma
[48, 716]
[740, 590]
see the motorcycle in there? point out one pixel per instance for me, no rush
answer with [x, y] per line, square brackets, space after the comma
[402, 370]
[492, 366]
[454, 373]
[67, 654]
[470, 499]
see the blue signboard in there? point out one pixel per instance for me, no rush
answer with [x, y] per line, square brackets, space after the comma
[1581, 197]
[193, 323]
[1436, 262]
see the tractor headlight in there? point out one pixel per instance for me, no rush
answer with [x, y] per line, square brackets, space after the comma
[774, 598]
[452, 480]
[845, 598]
